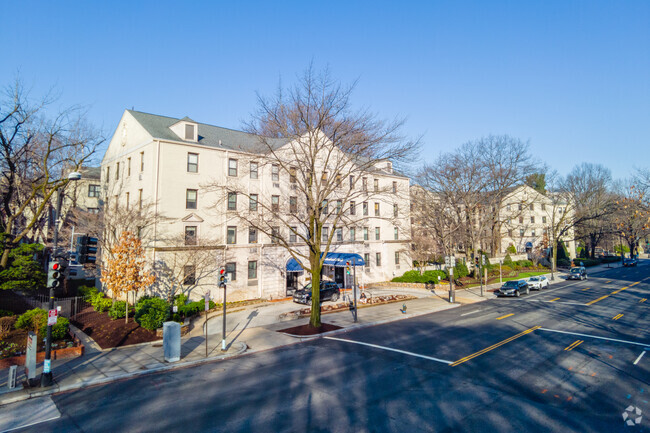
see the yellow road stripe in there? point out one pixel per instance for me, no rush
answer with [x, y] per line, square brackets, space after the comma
[634, 284]
[574, 345]
[553, 300]
[643, 300]
[613, 293]
[585, 289]
[494, 346]
[607, 282]
[618, 316]
[507, 315]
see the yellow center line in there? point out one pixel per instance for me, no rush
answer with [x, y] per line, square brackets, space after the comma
[494, 346]
[613, 293]
[643, 300]
[585, 289]
[507, 315]
[574, 345]
[618, 316]
[553, 300]
[607, 282]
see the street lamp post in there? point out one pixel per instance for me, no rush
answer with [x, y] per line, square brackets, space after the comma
[46, 376]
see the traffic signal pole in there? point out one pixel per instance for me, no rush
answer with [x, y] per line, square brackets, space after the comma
[223, 332]
[354, 287]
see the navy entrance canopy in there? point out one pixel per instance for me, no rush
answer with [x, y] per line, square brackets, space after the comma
[332, 259]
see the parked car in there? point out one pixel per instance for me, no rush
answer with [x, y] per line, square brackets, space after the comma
[514, 288]
[538, 283]
[630, 262]
[329, 291]
[579, 273]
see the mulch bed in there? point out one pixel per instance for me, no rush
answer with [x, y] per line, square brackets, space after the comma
[310, 330]
[110, 333]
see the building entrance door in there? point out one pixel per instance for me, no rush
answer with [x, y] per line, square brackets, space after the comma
[339, 276]
[292, 282]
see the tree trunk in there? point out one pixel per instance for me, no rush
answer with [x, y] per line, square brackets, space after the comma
[315, 289]
[5, 257]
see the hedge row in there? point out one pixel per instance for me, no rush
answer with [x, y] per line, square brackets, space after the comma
[36, 320]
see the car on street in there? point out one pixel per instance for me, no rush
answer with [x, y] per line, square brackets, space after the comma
[329, 291]
[630, 262]
[578, 273]
[538, 283]
[514, 288]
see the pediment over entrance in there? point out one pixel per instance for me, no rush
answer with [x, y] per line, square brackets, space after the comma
[192, 218]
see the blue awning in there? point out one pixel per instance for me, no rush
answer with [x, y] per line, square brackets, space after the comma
[332, 259]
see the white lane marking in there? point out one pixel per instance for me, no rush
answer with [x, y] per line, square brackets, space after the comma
[471, 312]
[27, 413]
[594, 336]
[639, 358]
[430, 358]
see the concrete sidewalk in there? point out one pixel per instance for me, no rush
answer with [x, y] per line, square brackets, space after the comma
[249, 329]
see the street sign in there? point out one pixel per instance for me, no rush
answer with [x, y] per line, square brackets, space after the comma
[450, 261]
[52, 315]
[483, 259]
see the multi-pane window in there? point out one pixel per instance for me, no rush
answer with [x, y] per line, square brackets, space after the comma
[394, 187]
[365, 208]
[252, 235]
[325, 207]
[351, 182]
[532, 219]
[352, 208]
[376, 209]
[323, 179]
[510, 233]
[232, 167]
[519, 206]
[192, 162]
[521, 220]
[275, 173]
[139, 199]
[544, 220]
[543, 206]
[352, 234]
[376, 184]
[293, 205]
[94, 190]
[377, 234]
[532, 206]
[232, 201]
[190, 235]
[275, 234]
[252, 270]
[292, 234]
[231, 235]
[128, 166]
[108, 174]
[378, 258]
[396, 233]
[141, 162]
[253, 170]
[292, 175]
[189, 275]
[521, 232]
[364, 183]
[508, 207]
[397, 257]
[532, 233]
[339, 235]
[231, 271]
[128, 199]
[324, 234]
[339, 206]
[117, 171]
[365, 233]
[190, 198]
[252, 202]
[366, 259]
[395, 210]
[339, 179]
[275, 203]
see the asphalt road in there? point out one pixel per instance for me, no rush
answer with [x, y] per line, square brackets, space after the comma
[571, 358]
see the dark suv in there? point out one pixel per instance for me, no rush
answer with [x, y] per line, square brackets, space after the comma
[513, 288]
[577, 274]
[329, 291]
[629, 262]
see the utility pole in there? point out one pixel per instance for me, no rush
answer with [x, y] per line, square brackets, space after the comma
[354, 287]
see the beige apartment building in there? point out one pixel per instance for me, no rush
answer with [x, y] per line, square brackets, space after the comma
[527, 218]
[203, 183]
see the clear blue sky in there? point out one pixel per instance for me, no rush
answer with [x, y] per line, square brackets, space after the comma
[573, 77]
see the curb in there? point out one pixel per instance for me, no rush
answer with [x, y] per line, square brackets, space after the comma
[103, 380]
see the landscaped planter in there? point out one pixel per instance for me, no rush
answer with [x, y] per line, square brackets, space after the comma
[66, 352]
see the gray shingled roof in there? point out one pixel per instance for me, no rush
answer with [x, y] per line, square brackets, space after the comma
[209, 135]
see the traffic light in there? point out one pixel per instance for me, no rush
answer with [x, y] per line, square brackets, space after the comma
[476, 261]
[87, 249]
[55, 274]
[222, 277]
[347, 268]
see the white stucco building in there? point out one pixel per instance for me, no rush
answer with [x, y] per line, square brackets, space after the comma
[205, 183]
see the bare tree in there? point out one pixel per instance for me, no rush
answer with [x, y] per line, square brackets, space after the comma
[632, 217]
[311, 133]
[36, 155]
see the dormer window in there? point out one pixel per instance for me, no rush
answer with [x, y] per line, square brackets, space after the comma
[189, 132]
